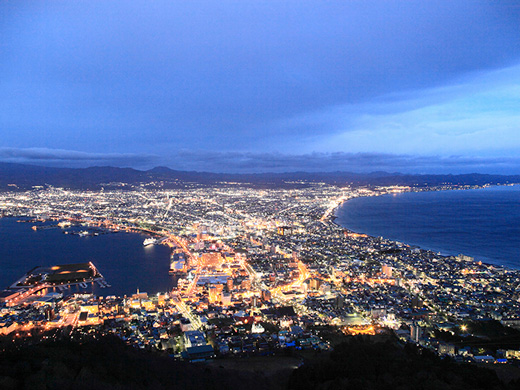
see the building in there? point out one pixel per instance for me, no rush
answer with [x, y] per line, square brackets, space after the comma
[198, 353]
[214, 294]
[285, 230]
[416, 332]
[387, 270]
[211, 259]
[446, 349]
[194, 338]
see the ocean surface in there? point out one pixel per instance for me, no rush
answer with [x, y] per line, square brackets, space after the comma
[482, 223]
[120, 257]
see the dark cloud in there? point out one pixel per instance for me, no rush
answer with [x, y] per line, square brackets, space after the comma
[237, 162]
[146, 78]
[349, 162]
[131, 76]
[72, 158]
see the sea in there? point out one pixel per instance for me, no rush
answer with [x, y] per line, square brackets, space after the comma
[482, 223]
[120, 257]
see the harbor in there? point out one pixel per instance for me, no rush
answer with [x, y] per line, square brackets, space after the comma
[119, 255]
[42, 280]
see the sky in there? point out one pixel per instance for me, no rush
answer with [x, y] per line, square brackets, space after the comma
[262, 86]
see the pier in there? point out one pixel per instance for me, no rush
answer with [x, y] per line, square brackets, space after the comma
[61, 277]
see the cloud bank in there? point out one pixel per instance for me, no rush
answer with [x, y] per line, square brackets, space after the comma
[247, 162]
[73, 158]
[244, 162]
[339, 161]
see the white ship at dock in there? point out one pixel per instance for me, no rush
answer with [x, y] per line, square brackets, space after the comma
[149, 241]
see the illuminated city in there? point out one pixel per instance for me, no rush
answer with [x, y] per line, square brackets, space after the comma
[258, 270]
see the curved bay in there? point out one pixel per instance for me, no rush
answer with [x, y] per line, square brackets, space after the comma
[483, 223]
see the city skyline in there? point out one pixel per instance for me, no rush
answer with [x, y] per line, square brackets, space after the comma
[262, 87]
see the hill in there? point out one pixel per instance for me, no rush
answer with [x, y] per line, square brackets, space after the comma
[23, 177]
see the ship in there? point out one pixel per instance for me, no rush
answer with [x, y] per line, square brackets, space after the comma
[149, 241]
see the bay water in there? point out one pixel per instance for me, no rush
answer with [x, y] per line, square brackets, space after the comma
[482, 223]
[120, 257]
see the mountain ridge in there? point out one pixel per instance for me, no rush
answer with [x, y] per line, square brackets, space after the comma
[24, 176]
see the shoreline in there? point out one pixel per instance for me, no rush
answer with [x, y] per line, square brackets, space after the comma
[332, 218]
[106, 266]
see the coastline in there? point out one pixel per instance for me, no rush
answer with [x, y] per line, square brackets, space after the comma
[447, 253]
[121, 258]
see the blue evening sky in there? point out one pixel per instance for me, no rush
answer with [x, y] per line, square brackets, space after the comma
[250, 86]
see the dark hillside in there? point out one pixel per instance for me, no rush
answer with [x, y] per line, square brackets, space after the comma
[361, 363]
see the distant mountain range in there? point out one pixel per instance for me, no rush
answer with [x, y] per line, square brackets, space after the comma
[23, 177]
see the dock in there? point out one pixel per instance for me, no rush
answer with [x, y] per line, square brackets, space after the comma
[60, 277]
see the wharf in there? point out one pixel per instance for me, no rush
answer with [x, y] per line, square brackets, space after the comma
[58, 276]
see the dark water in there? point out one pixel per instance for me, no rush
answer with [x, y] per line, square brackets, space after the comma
[120, 257]
[482, 223]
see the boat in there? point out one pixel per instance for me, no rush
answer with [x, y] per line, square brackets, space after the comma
[149, 241]
[83, 233]
[64, 224]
